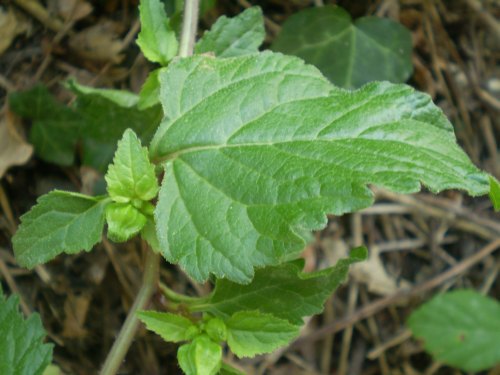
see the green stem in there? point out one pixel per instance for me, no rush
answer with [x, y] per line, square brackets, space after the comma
[189, 27]
[151, 269]
[127, 332]
[177, 297]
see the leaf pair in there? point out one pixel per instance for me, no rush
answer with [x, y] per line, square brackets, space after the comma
[71, 222]
[254, 319]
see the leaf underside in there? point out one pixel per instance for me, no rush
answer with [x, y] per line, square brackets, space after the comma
[257, 149]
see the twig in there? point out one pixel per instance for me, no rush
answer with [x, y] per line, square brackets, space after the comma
[485, 16]
[382, 303]
[37, 10]
[396, 340]
[459, 217]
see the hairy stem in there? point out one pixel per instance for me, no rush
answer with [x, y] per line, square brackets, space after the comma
[127, 332]
[189, 27]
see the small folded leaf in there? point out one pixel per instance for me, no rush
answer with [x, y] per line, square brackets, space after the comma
[216, 329]
[265, 146]
[60, 222]
[22, 350]
[460, 328]
[349, 53]
[236, 36]
[202, 356]
[124, 221]
[131, 176]
[157, 40]
[171, 327]
[251, 332]
[283, 291]
[495, 193]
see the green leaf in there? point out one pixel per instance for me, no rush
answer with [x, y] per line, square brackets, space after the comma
[156, 39]
[121, 98]
[22, 351]
[131, 176]
[55, 127]
[150, 91]
[460, 328]
[265, 146]
[124, 221]
[251, 332]
[495, 193]
[200, 357]
[283, 291]
[349, 54]
[216, 329]
[171, 327]
[60, 222]
[227, 369]
[97, 119]
[103, 123]
[236, 36]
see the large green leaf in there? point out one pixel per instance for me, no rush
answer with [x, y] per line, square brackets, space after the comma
[251, 332]
[236, 36]
[22, 351]
[60, 222]
[283, 291]
[349, 53]
[55, 127]
[460, 328]
[257, 149]
[157, 40]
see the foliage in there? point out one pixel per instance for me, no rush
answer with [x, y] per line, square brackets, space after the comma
[349, 53]
[96, 121]
[236, 36]
[460, 328]
[22, 351]
[254, 149]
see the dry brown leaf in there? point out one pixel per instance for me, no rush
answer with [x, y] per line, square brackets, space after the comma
[98, 43]
[75, 310]
[71, 10]
[14, 150]
[370, 272]
[11, 25]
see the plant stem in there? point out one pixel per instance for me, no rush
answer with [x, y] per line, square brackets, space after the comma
[177, 297]
[127, 332]
[151, 268]
[189, 27]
